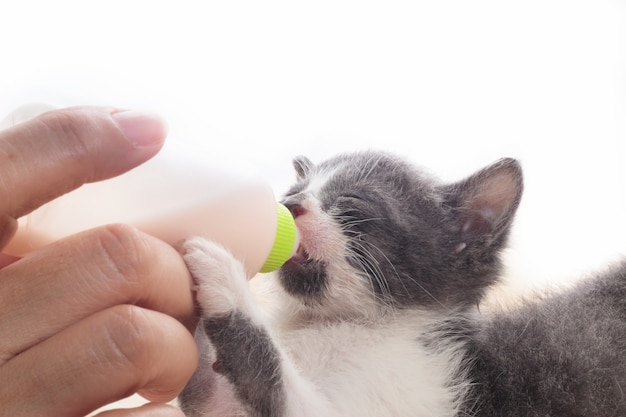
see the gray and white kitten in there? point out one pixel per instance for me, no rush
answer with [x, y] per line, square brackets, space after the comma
[377, 315]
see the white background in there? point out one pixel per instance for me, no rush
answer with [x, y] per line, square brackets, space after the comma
[453, 85]
[450, 84]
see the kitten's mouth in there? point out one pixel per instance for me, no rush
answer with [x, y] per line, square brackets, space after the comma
[301, 257]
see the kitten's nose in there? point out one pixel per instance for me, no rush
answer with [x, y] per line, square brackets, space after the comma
[296, 209]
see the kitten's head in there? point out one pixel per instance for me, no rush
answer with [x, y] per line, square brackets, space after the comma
[376, 230]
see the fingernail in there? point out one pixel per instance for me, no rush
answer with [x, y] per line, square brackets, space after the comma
[141, 129]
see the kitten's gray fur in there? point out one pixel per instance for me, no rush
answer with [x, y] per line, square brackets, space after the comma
[438, 250]
[564, 356]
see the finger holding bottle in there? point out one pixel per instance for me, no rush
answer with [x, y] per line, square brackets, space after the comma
[99, 315]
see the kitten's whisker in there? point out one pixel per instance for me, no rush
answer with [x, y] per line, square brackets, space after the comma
[370, 269]
[347, 222]
[372, 263]
[408, 277]
[373, 272]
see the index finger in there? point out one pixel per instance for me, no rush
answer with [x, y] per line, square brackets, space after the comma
[60, 150]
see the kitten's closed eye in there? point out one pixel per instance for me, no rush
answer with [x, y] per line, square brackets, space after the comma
[350, 207]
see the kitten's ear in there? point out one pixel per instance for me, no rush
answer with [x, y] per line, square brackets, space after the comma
[487, 201]
[303, 166]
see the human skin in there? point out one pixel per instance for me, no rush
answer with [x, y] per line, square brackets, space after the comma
[99, 315]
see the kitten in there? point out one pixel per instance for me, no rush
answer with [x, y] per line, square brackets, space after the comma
[377, 314]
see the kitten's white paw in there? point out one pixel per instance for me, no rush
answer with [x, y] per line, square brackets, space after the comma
[221, 281]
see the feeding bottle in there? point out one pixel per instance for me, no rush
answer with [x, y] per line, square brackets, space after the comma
[173, 197]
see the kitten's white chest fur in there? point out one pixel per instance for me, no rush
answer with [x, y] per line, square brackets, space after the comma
[377, 369]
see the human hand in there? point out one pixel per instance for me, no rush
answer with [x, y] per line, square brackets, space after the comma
[99, 315]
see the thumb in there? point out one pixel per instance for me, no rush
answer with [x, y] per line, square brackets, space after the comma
[60, 150]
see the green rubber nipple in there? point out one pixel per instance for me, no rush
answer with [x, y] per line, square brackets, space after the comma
[285, 241]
